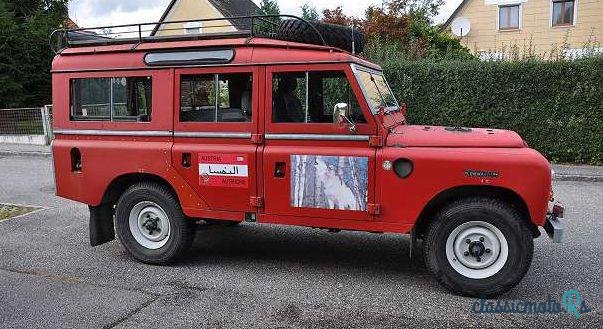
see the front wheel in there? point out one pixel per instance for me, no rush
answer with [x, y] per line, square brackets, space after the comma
[478, 246]
[150, 224]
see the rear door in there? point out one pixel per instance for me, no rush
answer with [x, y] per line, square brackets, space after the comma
[214, 123]
[314, 168]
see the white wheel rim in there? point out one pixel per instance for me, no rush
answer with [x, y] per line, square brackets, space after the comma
[477, 249]
[149, 225]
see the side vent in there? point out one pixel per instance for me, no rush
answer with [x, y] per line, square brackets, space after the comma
[76, 160]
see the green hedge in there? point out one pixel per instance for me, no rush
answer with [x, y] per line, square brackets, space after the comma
[557, 107]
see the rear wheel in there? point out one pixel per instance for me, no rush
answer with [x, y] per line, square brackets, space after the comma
[478, 246]
[150, 224]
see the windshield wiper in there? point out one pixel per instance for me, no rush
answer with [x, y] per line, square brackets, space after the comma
[383, 102]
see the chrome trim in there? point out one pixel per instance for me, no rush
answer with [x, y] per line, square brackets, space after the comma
[313, 137]
[141, 133]
[356, 67]
[555, 228]
[212, 135]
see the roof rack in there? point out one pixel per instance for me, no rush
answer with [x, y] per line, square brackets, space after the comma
[136, 34]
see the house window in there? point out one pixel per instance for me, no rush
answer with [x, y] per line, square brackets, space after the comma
[563, 12]
[508, 17]
[111, 99]
[216, 98]
[192, 28]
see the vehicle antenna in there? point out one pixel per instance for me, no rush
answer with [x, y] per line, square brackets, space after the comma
[353, 40]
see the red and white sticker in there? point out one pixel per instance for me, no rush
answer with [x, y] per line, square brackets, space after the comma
[223, 170]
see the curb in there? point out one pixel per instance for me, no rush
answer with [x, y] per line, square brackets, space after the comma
[27, 154]
[577, 178]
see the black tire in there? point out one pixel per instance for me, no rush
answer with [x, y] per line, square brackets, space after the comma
[337, 36]
[181, 232]
[506, 219]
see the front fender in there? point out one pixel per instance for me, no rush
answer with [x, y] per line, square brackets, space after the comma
[521, 170]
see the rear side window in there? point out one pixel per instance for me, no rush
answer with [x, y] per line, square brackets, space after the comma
[216, 98]
[111, 99]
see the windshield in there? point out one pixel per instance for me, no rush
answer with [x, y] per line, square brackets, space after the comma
[376, 90]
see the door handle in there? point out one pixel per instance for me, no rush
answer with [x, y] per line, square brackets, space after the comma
[280, 169]
[186, 160]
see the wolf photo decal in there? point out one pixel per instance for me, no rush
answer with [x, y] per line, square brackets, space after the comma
[329, 182]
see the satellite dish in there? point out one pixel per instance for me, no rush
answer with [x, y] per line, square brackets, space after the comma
[461, 26]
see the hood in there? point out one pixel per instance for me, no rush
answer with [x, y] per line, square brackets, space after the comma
[435, 136]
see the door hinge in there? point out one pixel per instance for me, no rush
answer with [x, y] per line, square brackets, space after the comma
[257, 138]
[373, 208]
[256, 201]
[376, 141]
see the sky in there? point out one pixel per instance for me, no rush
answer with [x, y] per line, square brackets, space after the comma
[90, 13]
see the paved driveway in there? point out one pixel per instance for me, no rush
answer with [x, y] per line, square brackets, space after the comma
[262, 276]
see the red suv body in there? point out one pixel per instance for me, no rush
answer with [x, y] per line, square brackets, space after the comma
[268, 131]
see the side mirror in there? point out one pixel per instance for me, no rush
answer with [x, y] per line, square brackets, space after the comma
[340, 116]
[403, 109]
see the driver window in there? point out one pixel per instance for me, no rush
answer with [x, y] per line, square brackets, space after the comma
[310, 97]
[289, 97]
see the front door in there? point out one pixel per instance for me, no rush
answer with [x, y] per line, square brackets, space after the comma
[214, 124]
[313, 167]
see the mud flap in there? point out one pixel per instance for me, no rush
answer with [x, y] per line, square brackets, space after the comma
[101, 224]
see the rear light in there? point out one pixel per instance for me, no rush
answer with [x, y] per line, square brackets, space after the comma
[558, 210]
[552, 196]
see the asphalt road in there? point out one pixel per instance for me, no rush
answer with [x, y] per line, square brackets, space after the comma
[263, 275]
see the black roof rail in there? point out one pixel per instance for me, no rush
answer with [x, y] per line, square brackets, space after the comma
[259, 26]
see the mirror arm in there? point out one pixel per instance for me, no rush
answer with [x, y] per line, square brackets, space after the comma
[352, 124]
[340, 111]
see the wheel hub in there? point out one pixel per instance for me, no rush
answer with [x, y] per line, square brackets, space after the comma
[476, 249]
[149, 225]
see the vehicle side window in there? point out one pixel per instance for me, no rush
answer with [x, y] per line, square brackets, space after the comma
[111, 99]
[289, 97]
[310, 97]
[216, 98]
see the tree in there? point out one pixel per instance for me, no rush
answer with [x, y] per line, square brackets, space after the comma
[417, 9]
[25, 55]
[386, 24]
[267, 26]
[402, 29]
[269, 7]
[336, 16]
[310, 13]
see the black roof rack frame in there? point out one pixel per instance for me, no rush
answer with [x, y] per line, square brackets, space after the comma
[259, 26]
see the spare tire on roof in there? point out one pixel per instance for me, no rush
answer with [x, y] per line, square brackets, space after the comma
[337, 36]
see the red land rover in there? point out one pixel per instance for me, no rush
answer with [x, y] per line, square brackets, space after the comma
[154, 133]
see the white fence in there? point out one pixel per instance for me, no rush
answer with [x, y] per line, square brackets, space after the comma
[26, 125]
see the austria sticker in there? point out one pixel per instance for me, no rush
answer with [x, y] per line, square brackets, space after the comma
[223, 170]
